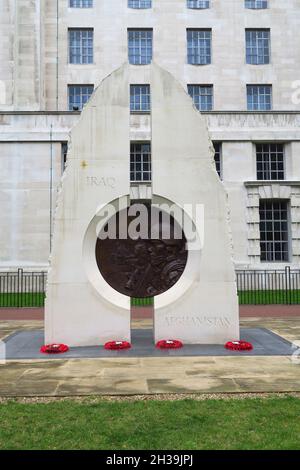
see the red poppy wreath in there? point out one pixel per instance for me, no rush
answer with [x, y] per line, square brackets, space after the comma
[169, 344]
[116, 345]
[239, 346]
[54, 348]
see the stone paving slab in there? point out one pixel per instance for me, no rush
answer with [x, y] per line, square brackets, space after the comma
[151, 375]
[131, 376]
[27, 344]
[9, 327]
[288, 328]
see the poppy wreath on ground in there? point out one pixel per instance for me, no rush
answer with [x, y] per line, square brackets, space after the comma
[115, 345]
[239, 346]
[54, 348]
[169, 344]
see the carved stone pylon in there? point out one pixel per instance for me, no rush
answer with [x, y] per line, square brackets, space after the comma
[82, 308]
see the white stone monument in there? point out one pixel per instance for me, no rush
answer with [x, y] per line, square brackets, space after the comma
[82, 308]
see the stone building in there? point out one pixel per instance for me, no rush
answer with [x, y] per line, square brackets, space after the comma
[238, 59]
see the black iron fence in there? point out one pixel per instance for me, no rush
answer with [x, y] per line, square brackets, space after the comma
[22, 288]
[256, 287]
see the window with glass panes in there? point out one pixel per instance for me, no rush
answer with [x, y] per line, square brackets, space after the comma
[139, 3]
[270, 161]
[259, 97]
[257, 46]
[198, 4]
[140, 98]
[199, 46]
[140, 46]
[79, 95]
[256, 4]
[140, 161]
[81, 3]
[218, 157]
[274, 233]
[202, 96]
[81, 45]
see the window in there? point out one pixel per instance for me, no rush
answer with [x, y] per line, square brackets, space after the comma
[199, 46]
[259, 97]
[79, 95]
[256, 4]
[218, 157]
[140, 98]
[64, 153]
[274, 235]
[270, 161]
[140, 161]
[202, 96]
[81, 46]
[81, 3]
[257, 46]
[140, 46]
[139, 3]
[198, 4]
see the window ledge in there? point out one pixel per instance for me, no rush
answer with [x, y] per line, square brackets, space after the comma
[256, 183]
[140, 112]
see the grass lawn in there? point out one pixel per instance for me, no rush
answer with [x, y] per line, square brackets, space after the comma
[29, 299]
[267, 423]
[269, 297]
[262, 297]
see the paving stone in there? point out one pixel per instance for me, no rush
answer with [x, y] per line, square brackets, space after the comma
[121, 375]
[26, 345]
[189, 385]
[102, 387]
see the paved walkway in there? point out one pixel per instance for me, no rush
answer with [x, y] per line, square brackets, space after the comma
[280, 311]
[21, 314]
[147, 312]
[129, 376]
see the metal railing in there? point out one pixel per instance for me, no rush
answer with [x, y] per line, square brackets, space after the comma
[22, 288]
[255, 287]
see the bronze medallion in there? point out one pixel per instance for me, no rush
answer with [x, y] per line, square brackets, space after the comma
[142, 267]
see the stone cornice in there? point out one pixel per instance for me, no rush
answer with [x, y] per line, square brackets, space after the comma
[223, 126]
[40, 113]
[205, 113]
[250, 184]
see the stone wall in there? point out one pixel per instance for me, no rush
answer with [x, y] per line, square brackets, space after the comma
[169, 19]
[34, 56]
[21, 54]
[25, 158]
[34, 76]
[30, 167]
[7, 15]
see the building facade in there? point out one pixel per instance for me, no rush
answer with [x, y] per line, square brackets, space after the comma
[238, 59]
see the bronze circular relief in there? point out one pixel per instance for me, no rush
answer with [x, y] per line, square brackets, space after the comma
[145, 266]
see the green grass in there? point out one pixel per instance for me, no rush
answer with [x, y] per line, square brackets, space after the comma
[30, 299]
[262, 297]
[251, 297]
[270, 423]
[268, 297]
[142, 302]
